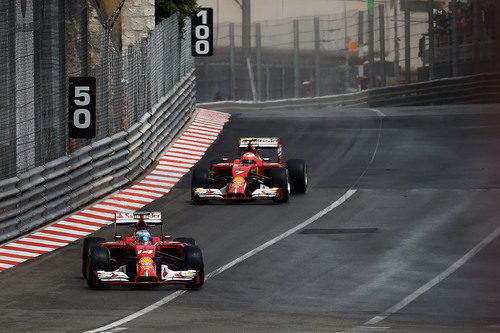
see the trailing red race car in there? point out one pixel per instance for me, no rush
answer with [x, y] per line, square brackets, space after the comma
[251, 175]
[142, 259]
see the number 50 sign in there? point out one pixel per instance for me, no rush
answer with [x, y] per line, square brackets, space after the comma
[81, 104]
[202, 28]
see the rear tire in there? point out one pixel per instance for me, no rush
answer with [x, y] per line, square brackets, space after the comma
[193, 259]
[88, 243]
[98, 260]
[297, 169]
[200, 178]
[279, 178]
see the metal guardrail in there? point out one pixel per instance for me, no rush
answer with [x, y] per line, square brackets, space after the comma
[480, 88]
[53, 190]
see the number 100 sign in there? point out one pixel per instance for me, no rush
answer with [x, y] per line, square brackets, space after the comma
[202, 28]
[81, 104]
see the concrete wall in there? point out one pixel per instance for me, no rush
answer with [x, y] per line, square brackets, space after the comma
[138, 19]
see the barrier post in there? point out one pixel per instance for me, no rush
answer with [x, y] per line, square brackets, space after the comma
[296, 71]
[259, 60]
[382, 44]
[316, 57]
[430, 12]
[407, 42]
[454, 39]
[232, 61]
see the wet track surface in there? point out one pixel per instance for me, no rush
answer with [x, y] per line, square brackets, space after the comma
[427, 182]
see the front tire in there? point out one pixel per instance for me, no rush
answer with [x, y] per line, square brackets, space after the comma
[98, 260]
[297, 169]
[193, 259]
[200, 178]
[279, 178]
[88, 243]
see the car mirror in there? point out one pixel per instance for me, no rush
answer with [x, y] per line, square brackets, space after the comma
[266, 159]
[226, 160]
[167, 237]
[118, 237]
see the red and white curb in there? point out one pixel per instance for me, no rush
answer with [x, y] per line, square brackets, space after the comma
[178, 160]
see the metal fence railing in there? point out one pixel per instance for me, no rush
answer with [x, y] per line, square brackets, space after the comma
[313, 56]
[42, 43]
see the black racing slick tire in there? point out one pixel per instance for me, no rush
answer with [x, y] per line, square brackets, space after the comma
[199, 178]
[279, 178]
[187, 240]
[193, 259]
[89, 242]
[297, 170]
[98, 260]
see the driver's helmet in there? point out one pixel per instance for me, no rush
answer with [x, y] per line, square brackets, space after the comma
[249, 158]
[143, 236]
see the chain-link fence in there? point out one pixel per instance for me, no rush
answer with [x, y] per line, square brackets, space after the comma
[42, 43]
[348, 51]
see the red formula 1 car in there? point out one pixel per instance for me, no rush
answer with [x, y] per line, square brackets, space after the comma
[251, 176]
[142, 259]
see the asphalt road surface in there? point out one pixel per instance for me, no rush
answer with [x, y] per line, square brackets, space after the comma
[393, 255]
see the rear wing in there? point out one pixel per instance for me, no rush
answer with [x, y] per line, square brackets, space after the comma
[133, 219]
[260, 143]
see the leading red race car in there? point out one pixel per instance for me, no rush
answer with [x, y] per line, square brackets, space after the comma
[142, 259]
[251, 175]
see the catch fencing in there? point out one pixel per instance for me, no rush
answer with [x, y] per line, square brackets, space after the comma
[145, 96]
[43, 43]
[402, 42]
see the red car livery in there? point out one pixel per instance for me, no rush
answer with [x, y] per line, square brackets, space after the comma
[252, 175]
[127, 260]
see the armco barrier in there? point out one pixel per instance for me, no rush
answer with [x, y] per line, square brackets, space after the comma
[481, 88]
[53, 190]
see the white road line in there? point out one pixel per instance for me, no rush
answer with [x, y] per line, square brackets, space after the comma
[112, 208]
[167, 173]
[161, 179]
[217, 127]
[123, 203]
[221, 269]
[26, 248]
[139, 192]
[440, 277]
[26, 254]
[196, 153]
[52, 236]
[95, 212]
[44, 241]
[79, 225]
[14, 259]
[204, 129]
[194, 140]
[381, 115]
[68, 231]
[178, 168]
[178, 157]
[143, 187]
[90, 219]
[202, 132]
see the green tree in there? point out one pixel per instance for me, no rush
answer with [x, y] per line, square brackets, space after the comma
[166, 8]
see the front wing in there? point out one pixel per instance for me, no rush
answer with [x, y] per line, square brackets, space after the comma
[218, 194]
[167, 276]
